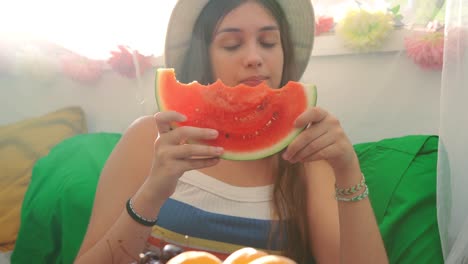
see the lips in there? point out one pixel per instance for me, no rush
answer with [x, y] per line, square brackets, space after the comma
[254, 80]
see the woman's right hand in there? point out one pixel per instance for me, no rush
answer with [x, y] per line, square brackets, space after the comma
[173, 156]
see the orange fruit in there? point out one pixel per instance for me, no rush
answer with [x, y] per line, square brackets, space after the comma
[244, 256]
[273, 259]
[195, 257]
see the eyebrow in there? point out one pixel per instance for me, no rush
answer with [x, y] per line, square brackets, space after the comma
[231, 29]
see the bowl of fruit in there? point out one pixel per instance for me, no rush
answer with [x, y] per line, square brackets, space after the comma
[172, 254]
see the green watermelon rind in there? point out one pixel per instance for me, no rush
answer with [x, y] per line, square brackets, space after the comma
[311, 94]
[159, 104]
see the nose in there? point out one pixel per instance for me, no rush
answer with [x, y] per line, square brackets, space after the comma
[253, 58]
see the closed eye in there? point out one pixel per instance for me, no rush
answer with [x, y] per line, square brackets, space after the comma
[268, 45]
[232, 47]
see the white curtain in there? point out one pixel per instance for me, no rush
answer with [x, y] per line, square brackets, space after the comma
[453, 145]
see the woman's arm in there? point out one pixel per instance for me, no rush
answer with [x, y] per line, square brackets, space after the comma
[112, 236]
[322, 212]
[341, 232]
[360, 237]
[145, 165]
[330, 159]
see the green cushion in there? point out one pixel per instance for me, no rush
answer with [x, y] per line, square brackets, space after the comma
[402, 178]
[58, 202]
[401, 175]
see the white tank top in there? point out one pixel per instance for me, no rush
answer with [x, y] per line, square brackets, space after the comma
[207, 214]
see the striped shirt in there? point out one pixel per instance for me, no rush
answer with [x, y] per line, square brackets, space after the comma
[207, 214]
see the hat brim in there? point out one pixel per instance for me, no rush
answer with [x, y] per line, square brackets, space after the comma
[299, 14]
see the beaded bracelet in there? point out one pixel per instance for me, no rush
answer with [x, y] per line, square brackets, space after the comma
[351, 190]
[356, 198]
[137, 217]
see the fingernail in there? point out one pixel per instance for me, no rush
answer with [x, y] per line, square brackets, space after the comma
[213, 133]
[183, 118]
[219, 150]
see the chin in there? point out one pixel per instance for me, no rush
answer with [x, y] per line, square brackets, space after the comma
[274, 86]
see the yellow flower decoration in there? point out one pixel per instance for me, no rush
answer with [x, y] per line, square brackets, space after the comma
[363, 30]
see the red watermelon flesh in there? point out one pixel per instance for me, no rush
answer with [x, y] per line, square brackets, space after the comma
[253, 122]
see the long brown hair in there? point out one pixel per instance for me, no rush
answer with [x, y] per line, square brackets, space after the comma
[288, 192]
[290, 203]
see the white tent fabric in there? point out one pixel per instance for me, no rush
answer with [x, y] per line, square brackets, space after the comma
[453, 145]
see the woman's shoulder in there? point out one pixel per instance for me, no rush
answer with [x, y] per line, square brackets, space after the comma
[142, 127]
[138, 139]
[145, 122]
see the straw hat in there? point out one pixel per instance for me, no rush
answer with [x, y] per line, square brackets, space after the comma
[299, 14]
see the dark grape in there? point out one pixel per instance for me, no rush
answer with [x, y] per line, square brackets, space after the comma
[149, 257]
[169, 251]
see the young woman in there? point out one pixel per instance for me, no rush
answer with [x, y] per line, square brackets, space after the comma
[154, 189]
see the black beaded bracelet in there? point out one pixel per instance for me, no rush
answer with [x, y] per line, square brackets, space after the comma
[137, 217]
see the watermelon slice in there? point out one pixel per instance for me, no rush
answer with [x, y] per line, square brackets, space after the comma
[253, 122]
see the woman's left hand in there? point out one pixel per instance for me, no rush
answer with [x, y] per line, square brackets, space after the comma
[322, 139]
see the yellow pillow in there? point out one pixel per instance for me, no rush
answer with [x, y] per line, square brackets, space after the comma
[21, 145]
